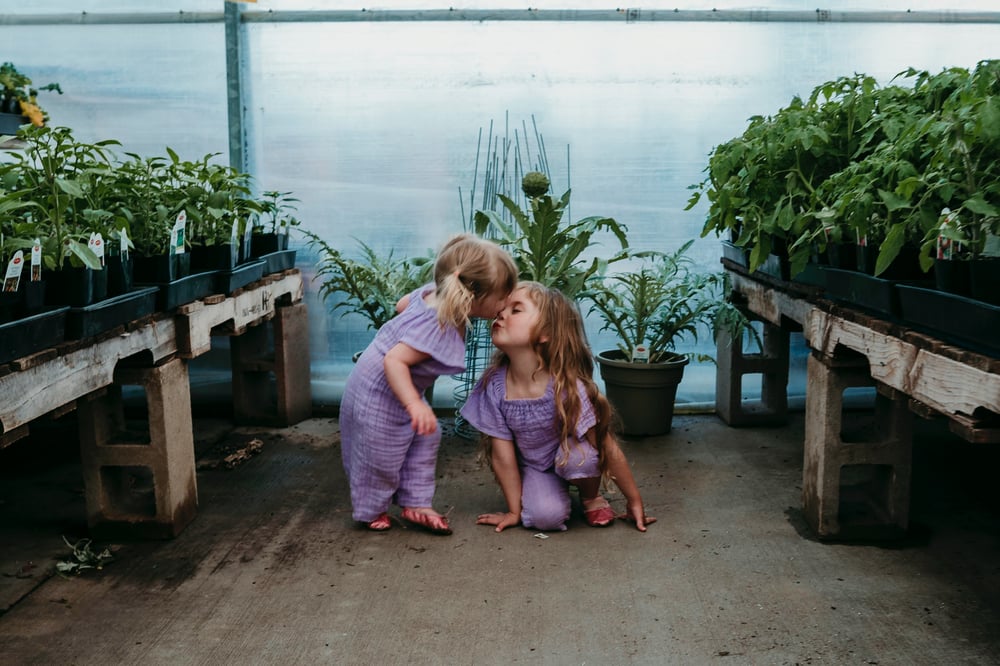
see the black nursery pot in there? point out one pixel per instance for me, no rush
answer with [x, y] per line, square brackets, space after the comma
[121, 273]
[70, 286]
[262, 244]
[213, 258]
[161, 268]
[953, 276]
[984, 279]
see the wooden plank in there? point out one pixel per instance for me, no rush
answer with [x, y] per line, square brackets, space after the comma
[770, 304]
[41, 388]
[944, 384]
[236, 312]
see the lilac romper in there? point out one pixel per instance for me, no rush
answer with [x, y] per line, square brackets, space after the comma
[385, 459]
[531, 424]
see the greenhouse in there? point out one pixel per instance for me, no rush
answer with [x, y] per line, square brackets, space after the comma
[295, 293]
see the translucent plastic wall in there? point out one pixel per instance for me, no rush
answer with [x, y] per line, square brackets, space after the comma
[374, 125]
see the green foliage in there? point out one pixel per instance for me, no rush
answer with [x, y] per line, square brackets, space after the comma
[276, 211]
[82, 557]
[661, 303]
[547, 249]
[65, 189]
[369, 286]
[857, 160]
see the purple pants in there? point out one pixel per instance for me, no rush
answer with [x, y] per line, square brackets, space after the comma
[545, 501]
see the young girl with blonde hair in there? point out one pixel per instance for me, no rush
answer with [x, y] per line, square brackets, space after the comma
[546, 423]
[388, 432]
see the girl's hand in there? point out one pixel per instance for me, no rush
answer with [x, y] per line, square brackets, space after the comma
[635, 513]
[501, 520]
[422, 417]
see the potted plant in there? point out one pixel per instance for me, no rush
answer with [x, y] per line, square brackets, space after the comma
[57, 173]
[273, 223]
[369, 286]
[546, 248]
[18, 99]
[651, 309]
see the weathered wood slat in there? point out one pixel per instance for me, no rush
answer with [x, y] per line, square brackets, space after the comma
[195, 326]
[51, 379]
[944, 384]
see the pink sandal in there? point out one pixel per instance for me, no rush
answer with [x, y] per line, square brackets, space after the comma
[598, 512]
[433, 522]
[380, 524]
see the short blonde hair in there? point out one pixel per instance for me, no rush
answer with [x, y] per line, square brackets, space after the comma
[470, 268]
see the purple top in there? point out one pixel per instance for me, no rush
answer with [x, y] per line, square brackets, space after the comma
[530, 423]
[418, 327]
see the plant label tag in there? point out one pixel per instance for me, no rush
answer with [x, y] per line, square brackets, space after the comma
[234, 244]
[247, 235]
[36, 260]
[13, 277]
[640, 354]
[96, 245]
[123, 243]
[177, 233]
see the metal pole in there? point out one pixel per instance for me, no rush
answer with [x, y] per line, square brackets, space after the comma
[234, 87]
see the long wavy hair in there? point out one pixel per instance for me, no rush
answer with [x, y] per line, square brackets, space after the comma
[566, 356]
[469, 268]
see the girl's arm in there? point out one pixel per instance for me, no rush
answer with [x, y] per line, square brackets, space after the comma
[396, 365]
[402, 303]
[504, 459]
[621, 473]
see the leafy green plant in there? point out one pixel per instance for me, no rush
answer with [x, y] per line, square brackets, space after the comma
[62, 176]
[369, 286]
[545, 247]
[661, 303]
[276, 212]
[82, 557]
[885, 166]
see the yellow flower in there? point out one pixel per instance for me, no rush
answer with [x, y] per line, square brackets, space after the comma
[33, 112]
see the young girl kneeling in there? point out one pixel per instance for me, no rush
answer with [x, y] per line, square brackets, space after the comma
[546, 423]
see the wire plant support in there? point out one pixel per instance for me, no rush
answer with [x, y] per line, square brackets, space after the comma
[505, 161]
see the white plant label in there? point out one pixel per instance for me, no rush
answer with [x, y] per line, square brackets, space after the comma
[36, 260]
[13, 277]
[177, 233]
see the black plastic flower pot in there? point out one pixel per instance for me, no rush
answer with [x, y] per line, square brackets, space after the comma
[121, 273]
[953, 276]
[70, 286]
[262, 244]
[162, 268]
[214, 257]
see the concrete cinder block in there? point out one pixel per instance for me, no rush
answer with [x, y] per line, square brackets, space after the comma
[854, 489]
[271, 370]
[147, 488]
[732, 363]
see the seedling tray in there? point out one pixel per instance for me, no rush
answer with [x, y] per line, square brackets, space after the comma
[277, 262]
[959, 320]
[863, 291]
[91, 320]
[185, 290]
[28, 335]
[229, 281]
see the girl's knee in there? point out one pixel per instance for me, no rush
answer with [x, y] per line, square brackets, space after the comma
[547, 515]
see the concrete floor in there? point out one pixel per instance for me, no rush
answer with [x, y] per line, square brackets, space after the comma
[273, 571]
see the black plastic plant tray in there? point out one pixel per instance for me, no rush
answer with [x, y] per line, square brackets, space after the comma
[185, 290]
[28, 335]
[735, 254]
[965, 322]
[277, 262]
[229, 281]
[92, 320]
[863, 291]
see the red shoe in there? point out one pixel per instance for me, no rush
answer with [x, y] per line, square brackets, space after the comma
[599, 513]
[380, 524]
[433, 522]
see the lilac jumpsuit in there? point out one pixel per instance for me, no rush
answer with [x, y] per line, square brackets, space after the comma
[531, 425]
[384, 458]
